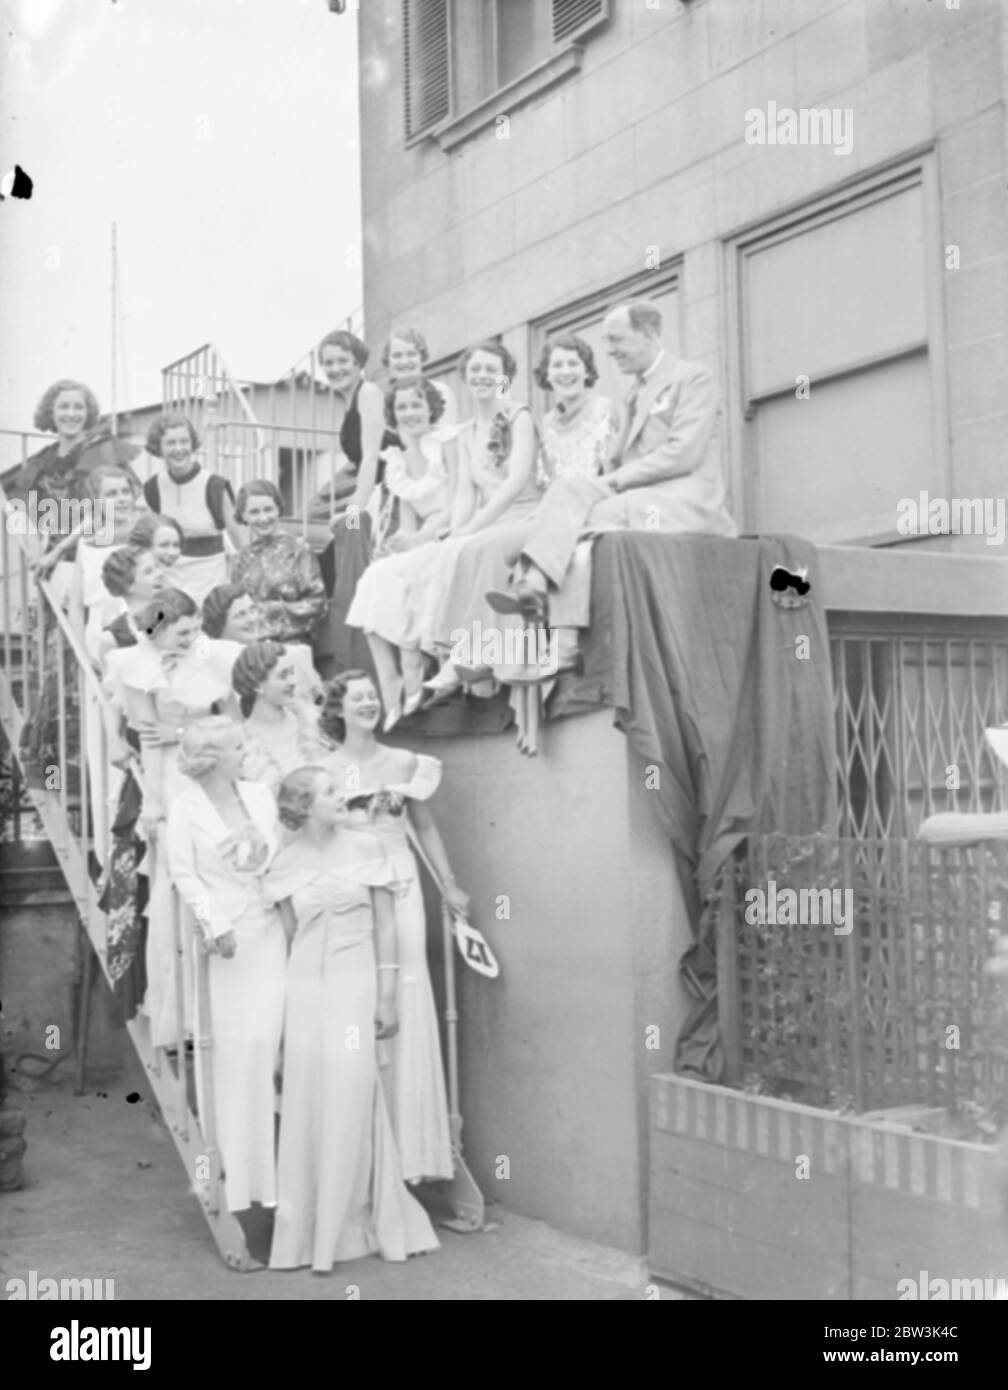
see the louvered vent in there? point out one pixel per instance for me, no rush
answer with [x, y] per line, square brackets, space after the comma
[570, 17]
[427, 64]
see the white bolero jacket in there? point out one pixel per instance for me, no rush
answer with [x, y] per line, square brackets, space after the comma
[218, 893]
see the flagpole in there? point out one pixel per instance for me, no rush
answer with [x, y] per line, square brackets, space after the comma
[115, 422]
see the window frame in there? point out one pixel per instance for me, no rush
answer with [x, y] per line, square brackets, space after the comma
[919, 169]
[467, 116]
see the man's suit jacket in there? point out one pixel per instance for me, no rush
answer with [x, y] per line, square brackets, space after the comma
[664, 456]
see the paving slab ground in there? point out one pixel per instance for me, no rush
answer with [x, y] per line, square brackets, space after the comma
[106, 1197]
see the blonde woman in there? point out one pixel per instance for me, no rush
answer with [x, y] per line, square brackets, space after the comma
[340, 1187]
[222, 833]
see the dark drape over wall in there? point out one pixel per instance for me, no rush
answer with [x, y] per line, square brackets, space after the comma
[713, 687]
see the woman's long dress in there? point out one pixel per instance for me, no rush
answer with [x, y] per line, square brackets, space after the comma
[183, 691]
[415, 1086]
[442, 598]
[340, 1188]
[579, 448]
[126, 890]
[220, 875]
[379, 604]
[273, 750]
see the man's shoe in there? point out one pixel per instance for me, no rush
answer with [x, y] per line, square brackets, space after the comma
[522, 598]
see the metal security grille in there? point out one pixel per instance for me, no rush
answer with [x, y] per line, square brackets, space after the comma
[896, 1011]
[571, 17]
[911, 710]
[427, 63]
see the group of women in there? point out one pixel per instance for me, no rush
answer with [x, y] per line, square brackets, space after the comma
[255, 815]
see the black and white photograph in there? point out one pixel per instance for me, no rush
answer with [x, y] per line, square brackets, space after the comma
[504, 661]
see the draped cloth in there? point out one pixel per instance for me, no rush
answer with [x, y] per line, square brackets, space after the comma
[711, 685]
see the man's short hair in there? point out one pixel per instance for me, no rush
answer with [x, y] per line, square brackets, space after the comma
[644, 316]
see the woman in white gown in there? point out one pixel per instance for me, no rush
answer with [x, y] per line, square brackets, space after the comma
[173, 677]
[385, 787]
[222, 834]
[281, 731]
[340, 1188]
[415, 486]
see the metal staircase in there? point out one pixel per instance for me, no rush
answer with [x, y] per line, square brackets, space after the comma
[40, 646]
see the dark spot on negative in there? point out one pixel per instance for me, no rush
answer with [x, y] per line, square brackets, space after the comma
[16, 184]
[133, 1097]
[781, 579]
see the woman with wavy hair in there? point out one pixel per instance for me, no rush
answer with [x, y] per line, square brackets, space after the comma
[201, 503]
[340, 1190]
[389, 788]
[281, 731]
[404, 356]
[415, 511]
[222, 833]
[276, 568]
[233, 618]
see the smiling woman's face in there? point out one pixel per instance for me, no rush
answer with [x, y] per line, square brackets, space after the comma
[404, 358]
[177, 449]
[484, 371]
[565, 372]
[361, 706]
[166, 545]
[69, 414]
[342, 369]
[175, 639]
[262, 515]
[243, 621]
[412, 413]
[117, 495]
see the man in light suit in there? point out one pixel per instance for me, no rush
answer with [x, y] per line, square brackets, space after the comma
[663, 476]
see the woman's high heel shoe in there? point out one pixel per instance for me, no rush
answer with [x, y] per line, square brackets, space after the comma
[442, 686]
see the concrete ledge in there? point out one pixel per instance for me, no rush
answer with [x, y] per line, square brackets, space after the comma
[910, 579]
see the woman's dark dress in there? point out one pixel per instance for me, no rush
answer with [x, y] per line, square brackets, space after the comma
[124, 897]
[346, 557]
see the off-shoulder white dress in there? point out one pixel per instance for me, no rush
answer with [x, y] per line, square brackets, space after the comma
[339, 1181]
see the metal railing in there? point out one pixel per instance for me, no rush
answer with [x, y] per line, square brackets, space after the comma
[46, 677]
[876, 998]
[913, 698]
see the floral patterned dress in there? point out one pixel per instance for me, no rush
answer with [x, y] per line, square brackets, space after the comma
[282, 575]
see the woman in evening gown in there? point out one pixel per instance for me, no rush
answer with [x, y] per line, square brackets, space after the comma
[339, 1183]
[386, 789]
[281, 731]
